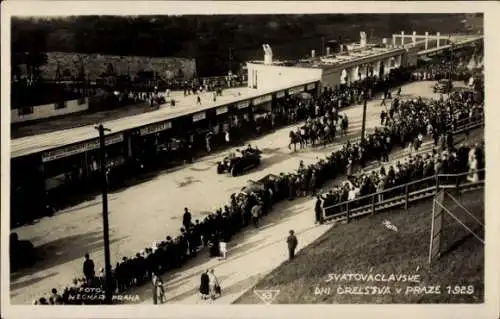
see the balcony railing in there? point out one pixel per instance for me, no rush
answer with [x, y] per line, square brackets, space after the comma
[401, 195]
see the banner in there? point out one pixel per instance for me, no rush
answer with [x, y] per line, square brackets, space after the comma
[79, 148]
[154, 128]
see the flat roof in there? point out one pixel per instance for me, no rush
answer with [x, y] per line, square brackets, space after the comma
[355, 55]
[338, 59]
[185, 105]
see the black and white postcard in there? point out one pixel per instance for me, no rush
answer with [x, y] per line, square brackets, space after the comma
[249, 159]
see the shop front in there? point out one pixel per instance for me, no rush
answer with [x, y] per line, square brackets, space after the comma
[297, 106]
[242, 118]
[150, 143]
[222, 125]
[280, 106]
[200, 127]
[68, 170]
[312, 88]
[262, 113]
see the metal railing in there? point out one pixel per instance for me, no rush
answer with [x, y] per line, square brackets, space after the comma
[469, 123]
[400, 195]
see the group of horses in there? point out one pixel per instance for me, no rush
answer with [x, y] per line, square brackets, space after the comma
[314, 133]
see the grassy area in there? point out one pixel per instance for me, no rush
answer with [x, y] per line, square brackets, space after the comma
[365, 246]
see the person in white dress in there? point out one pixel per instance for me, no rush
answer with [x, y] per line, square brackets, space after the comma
[223, 249]
[213, 284]
[473, 176]
[158, 289]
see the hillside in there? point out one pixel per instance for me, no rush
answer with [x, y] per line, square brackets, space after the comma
[365, 247]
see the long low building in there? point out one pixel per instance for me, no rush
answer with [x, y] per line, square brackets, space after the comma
[185, 106]
[55, 164]
[265, 78]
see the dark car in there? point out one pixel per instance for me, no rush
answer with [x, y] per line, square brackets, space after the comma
[236, 164]
[443, 86]
[22, 253]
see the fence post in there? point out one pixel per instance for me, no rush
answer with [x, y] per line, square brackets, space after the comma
[437, 183]
[373, 204]
[406, 196]
[347, 212]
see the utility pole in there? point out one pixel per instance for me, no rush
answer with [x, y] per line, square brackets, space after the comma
[104, 185]
[230, 60]
[363, 125]
[322, 46]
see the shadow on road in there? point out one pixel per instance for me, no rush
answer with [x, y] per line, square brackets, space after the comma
[29, 282]
[64, 250]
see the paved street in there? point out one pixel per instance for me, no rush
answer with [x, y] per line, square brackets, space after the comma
[152, 210]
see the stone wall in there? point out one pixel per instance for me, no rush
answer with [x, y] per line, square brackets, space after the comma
[96, 64]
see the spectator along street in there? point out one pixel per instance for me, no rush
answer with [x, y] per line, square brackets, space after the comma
[143, 215]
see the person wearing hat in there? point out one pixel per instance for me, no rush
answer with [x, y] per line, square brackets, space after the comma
[88, 267]
[292, 243]
[186, 218]
[318, 210]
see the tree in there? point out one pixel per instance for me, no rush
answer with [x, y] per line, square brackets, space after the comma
[34, 60]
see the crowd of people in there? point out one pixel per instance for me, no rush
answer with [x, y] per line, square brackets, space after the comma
[404, 123]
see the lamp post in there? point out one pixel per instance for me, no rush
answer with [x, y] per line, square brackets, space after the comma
[104, 185]
[363, 125]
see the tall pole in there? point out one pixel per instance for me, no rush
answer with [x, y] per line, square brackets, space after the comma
[104, 185]
[230, 60]
[363, 125]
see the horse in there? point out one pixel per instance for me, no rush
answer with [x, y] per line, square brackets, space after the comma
[294, 139]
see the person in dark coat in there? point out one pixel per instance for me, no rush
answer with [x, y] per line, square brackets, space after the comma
[186, 218]
[204, 285]
[318, 210]
[292, 243]
[88, 268]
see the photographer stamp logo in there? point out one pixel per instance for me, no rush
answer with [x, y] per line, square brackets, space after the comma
[267, 296]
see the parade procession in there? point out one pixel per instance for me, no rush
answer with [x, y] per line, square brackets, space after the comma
[158, 184]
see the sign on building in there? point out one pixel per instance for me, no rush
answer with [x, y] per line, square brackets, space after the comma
[243, 104]
[262, 99]
[79, 148]
[311, 86]
[296, 90]
[154, 128]
[199, 116]
[221, 110]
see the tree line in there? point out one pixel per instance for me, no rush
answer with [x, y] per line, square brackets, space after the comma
[217, 42]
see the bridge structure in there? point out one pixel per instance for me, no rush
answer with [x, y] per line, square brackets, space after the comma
[431, 44]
